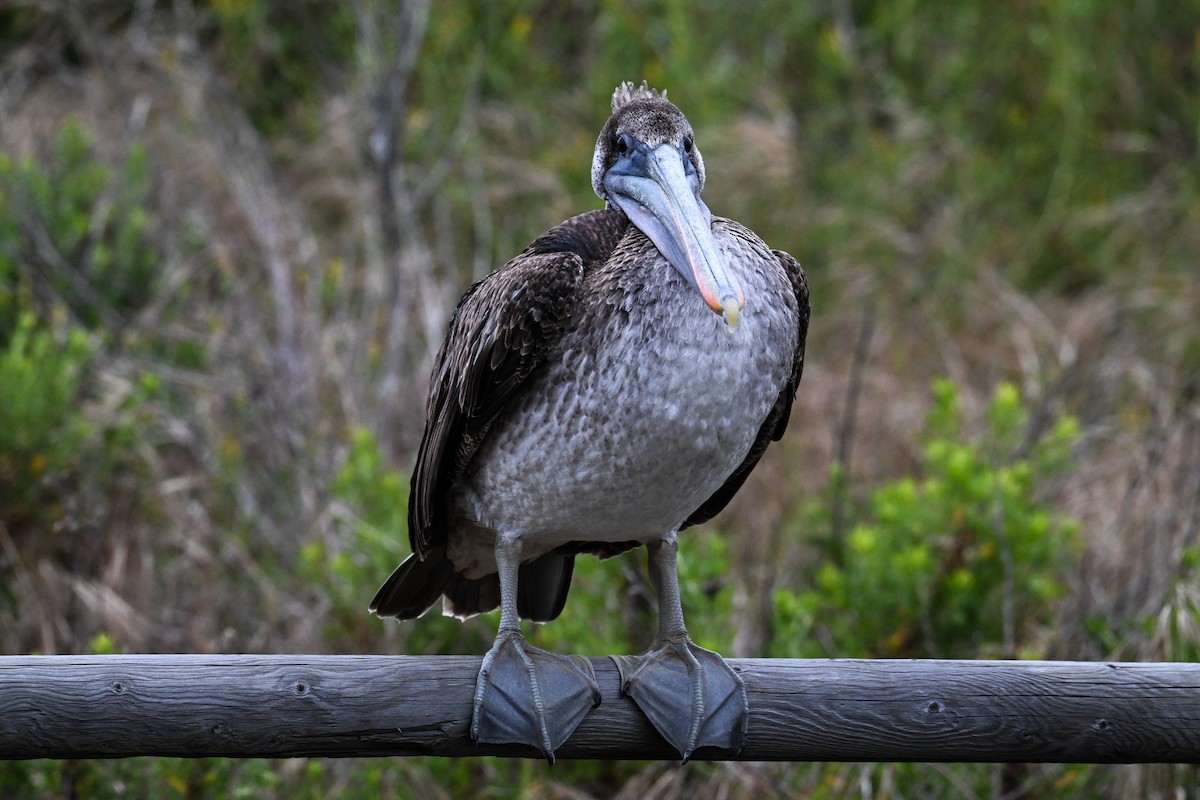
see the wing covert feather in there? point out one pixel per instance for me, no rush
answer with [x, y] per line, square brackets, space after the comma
[500, 333]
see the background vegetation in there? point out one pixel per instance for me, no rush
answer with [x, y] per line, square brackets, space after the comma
[231, 232]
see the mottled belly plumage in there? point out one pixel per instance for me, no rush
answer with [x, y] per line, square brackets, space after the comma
[644, 414]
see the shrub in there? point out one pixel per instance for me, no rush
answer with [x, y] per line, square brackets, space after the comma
[961, 562]
[41, 427]
[76, 232]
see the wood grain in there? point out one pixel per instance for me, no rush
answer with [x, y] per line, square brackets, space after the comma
[801, 710]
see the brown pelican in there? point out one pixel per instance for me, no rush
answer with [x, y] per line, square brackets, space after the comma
[610, 386]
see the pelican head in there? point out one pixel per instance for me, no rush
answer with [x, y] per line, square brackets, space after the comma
[648, 166]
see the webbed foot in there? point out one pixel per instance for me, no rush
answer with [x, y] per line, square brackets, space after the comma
[526, 695]
[660, 679]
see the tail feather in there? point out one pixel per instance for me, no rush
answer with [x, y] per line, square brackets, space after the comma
[466, 597]
[542, 586]
[413, 586]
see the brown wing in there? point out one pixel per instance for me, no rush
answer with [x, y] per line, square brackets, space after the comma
[776, 422]
[500, 335]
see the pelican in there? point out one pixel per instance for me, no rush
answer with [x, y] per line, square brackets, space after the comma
[610, 386]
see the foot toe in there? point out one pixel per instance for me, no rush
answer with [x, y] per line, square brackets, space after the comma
[526, 695]
[660, 679]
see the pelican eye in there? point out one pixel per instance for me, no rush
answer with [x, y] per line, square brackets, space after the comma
[623, 144]
[687, 144]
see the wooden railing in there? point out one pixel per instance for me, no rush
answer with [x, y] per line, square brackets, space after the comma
[800, 710]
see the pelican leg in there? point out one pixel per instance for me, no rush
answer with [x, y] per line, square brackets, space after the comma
[526, 695]
[675, 667]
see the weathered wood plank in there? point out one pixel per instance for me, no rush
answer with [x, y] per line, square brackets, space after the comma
[801, 710]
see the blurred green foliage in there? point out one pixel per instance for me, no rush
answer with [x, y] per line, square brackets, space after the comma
[374, 495]
[279, 55]
[1055, 143]
[1021, 119]
[1003, 126]
[149, 777]
[41, 427]
[932, 566]
[73, 230]
[345, 571]
[75, 258]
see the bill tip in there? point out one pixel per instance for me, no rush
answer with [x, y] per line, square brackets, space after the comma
[731, 310]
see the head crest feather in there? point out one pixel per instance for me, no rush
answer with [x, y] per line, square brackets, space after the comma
[626, 93]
